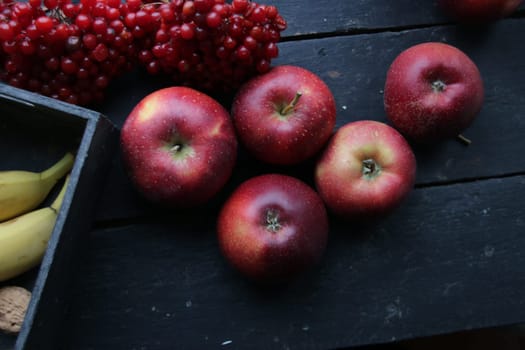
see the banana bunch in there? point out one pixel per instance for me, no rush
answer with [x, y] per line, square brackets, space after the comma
[24, 236]
[22, 191]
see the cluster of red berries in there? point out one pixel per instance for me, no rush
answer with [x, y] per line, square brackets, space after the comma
[65, 50]
[72, 50]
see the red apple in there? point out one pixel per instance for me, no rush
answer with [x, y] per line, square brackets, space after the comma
[284, 116]
[272, 228]
[179, 146]
[479, 11]
[366, 170]
[433, 91]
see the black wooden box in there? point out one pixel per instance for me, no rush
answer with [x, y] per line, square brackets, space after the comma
[35, 132]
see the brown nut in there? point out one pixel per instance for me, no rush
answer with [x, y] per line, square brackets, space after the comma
[13, 306]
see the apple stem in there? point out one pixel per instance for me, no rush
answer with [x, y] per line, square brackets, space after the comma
[438, 86]
[464, 140]
[272, 220]
[370, 168]
[286, 109]
[175, 148]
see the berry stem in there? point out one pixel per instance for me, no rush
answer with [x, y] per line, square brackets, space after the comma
[464, 140]
[154, 3]
[288, 108]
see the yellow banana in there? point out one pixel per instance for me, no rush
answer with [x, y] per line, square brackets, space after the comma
[22, 191]
[23, 240]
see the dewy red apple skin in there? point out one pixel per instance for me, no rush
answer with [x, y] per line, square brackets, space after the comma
[284, 116]
[433, 91]
[179, 147]
[478, 11]
[366, 170]
[272, 228]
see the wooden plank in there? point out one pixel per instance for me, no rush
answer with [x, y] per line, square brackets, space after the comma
[163, 283]
[329, 16]
[355, 67]
[340, 16]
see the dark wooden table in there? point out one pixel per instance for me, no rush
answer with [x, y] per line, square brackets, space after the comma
[450, 259]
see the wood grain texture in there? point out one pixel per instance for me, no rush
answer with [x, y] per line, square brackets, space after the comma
[334, 16]
[355, 67]
[340, 16]
[450, 258]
